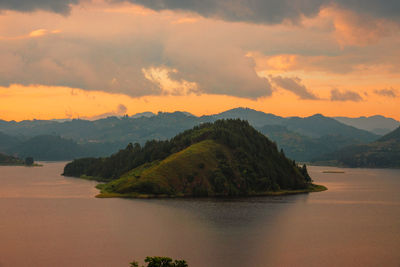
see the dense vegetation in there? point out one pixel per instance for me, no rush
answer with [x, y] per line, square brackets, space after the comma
[228, 157]
[383, 153]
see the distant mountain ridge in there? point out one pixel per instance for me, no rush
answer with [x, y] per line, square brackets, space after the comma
[308, 138]
[305, 148]
[376, 124]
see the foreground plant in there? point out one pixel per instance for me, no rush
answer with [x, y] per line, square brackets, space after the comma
[160, 262]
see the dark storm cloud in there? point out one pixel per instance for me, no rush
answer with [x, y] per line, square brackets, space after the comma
[271, 11]
[293, 85]
[58, 6]
[254, 11]
[337, 95]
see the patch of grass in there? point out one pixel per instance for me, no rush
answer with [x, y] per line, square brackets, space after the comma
[175, 175]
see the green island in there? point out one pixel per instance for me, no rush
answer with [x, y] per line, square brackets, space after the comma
[224, 158]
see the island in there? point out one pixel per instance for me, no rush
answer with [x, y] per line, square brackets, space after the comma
[225, 158]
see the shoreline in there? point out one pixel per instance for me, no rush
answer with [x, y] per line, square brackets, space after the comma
[21, 165]
[313, 188]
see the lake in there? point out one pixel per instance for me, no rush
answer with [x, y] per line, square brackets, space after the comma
[51, 220]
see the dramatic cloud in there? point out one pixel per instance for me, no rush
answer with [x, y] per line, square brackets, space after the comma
[84, 63]
[254, 11]
[126, 48]
[142, 61]
[58, 6]
[272, 11]
[293, 85]
[337, 95]
[386, 92]
[358, 29]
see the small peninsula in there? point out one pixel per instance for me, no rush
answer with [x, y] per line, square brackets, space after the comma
[224, 158]
[6, 160]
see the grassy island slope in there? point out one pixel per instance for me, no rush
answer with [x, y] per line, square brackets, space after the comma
[225, 158]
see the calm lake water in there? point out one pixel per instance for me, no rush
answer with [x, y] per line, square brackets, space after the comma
[50, 220]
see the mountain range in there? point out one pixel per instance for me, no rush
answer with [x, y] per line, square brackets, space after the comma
[376, 124]
[303, 139]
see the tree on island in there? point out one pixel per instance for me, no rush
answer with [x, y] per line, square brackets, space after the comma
[161, 262]
[304, 171]
[29, 161]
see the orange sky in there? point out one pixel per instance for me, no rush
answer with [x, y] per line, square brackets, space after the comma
[114, 58]
[43, 102]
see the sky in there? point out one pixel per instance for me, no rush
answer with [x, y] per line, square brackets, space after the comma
[95, 58]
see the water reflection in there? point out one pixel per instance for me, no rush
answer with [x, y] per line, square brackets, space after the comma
[56, 221]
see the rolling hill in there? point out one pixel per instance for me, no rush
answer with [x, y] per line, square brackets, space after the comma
[304, 148]
[376, 124]
[383, 153]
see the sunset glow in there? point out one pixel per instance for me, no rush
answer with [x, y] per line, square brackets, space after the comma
[86, 59]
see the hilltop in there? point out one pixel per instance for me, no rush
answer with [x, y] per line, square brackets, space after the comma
[224, 158]
[383, 153]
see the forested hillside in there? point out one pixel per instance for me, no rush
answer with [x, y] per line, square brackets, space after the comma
[228, 157]
[383, 153]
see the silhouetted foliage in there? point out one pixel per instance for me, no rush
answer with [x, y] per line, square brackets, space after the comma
[29, 161]
[161, 262]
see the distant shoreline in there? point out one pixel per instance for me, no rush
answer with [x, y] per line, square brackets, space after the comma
[21, 165]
